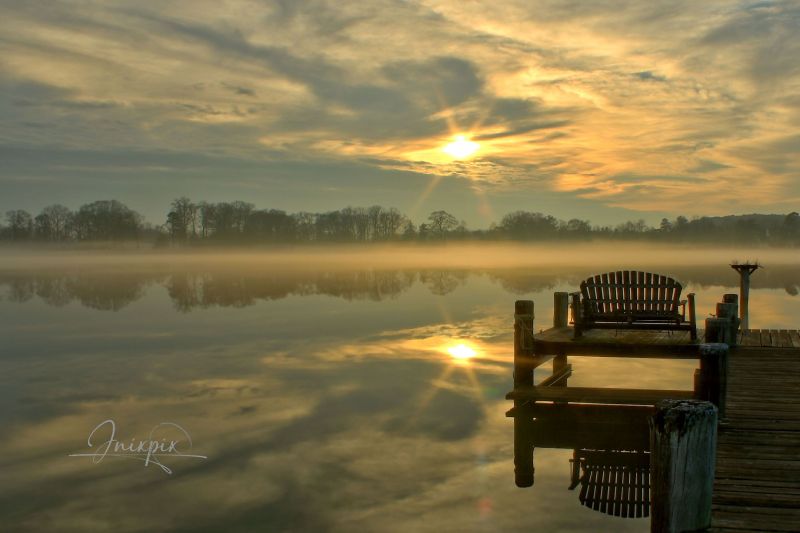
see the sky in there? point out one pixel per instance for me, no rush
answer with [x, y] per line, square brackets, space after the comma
[599, 110]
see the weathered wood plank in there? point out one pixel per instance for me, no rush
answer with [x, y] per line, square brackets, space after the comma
[750, 338]
[597, 395]
[785, 339]
[755, 518]
[775, 338]
[795, 335]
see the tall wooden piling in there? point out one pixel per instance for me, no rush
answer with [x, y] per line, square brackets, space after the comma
[727, 311]
[718, 330]
[523, 343]
[713, 382]
[683, 441]
[523, 446]
[523, 377]
[744, 271]
[731, 298]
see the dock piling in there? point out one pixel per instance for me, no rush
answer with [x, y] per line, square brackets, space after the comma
[523, 343]
[744, 271]
[560, 309]
[714, 374]
[523, 377]
[683, 440]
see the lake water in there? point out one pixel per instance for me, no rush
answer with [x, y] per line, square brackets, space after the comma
[328, 390]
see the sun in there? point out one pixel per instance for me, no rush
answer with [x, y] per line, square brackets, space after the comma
[461, 351]
[461, 147]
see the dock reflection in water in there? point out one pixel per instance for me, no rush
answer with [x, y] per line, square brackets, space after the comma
[611, 460]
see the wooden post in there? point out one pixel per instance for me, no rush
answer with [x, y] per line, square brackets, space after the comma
[523, 377]
[560, 309]
[730, 298]
[727, 311]
[744, 271]
[523, 343]
[733, 298]
[692, 315]
[575, 304]
[714, 374]
[560, 320]
[744, 298]
[683, 442]
[720, 330]
[523, 447]
[717, 329]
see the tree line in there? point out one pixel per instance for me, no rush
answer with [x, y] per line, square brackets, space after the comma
[239, 222]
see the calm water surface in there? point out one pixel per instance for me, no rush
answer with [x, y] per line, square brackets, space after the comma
[325, 398]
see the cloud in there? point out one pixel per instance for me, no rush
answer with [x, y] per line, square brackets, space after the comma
[551, 90]
[646, 75]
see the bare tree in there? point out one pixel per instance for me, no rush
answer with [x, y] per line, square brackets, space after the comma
[441, 223]
[20, 224]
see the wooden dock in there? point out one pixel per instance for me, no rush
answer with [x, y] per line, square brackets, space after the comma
[757, 479]
[757, 476]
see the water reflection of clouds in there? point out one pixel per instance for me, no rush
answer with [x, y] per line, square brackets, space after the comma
[347, 440]
[489, 337]
[316, 413]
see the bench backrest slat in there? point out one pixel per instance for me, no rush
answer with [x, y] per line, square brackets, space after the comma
[631, 293]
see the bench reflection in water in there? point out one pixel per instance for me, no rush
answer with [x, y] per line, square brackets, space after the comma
[610, 443]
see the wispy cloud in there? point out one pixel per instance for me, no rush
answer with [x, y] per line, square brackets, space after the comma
[568, 98]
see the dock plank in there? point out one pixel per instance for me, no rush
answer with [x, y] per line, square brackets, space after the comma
[795, 335]
[616, 343]
[785, 339]
[750, 338]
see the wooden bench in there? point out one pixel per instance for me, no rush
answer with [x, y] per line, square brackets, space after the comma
[630, 299]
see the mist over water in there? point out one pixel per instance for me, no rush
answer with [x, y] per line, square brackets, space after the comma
[613, 254]
[320, 382]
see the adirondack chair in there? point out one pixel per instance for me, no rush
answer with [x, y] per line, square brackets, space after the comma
[632, 300]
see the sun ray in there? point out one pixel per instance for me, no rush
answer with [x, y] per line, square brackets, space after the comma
[424, 196]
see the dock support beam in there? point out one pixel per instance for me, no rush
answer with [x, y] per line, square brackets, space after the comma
[683, 442]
